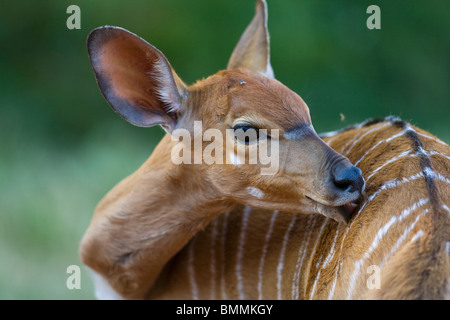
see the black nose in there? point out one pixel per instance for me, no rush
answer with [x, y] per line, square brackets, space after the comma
[347, 177]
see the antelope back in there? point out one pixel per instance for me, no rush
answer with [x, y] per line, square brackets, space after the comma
[396, 246]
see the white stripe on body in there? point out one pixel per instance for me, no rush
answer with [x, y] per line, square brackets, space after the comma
[314, 251]
[283, 254]
[223, 246]
[240, 252]
[365, 134]
[191, 270]
[264, 252]
[379, 237]
[382, 141]
[402, 238]
[301, 256]
[214, 233]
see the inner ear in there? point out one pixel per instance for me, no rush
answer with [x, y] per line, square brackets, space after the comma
[135, 77]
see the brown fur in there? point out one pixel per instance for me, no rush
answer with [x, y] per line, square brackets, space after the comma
[147, 218]
[138, 229]
[417, 270]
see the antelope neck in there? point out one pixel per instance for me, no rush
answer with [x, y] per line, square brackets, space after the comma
[183, 190]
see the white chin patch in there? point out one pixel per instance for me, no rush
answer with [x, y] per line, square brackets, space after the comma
[103, 290]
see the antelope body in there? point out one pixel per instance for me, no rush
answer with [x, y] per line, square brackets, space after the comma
[402, 227]
[276, 236]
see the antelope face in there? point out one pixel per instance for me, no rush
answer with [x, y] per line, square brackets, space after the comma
[267, 119]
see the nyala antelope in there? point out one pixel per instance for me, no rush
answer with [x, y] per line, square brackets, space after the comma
[224, 231]
[396, 245]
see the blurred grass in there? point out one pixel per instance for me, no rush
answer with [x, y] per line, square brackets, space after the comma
[62, 148]
[47, 199]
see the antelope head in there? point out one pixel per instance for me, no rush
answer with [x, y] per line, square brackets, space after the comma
[245, 99]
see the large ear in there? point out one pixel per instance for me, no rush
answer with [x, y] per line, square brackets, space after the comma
[135, 78]
[253, 49]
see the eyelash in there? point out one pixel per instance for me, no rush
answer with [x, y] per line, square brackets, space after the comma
[245, 128]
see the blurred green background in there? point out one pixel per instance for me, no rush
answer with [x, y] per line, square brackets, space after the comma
[62, 148]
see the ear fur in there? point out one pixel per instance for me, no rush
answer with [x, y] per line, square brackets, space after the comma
[253, 49]
[135, 78]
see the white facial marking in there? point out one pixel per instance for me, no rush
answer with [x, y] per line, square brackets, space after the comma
[255, 192]
[234, 159]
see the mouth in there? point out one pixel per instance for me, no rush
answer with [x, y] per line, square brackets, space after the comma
[348, 210]
[342, 213]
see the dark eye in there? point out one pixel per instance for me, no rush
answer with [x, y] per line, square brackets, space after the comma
[245, 133]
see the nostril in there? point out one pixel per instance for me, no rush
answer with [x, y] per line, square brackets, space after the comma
[348, 179]
[343, 184]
